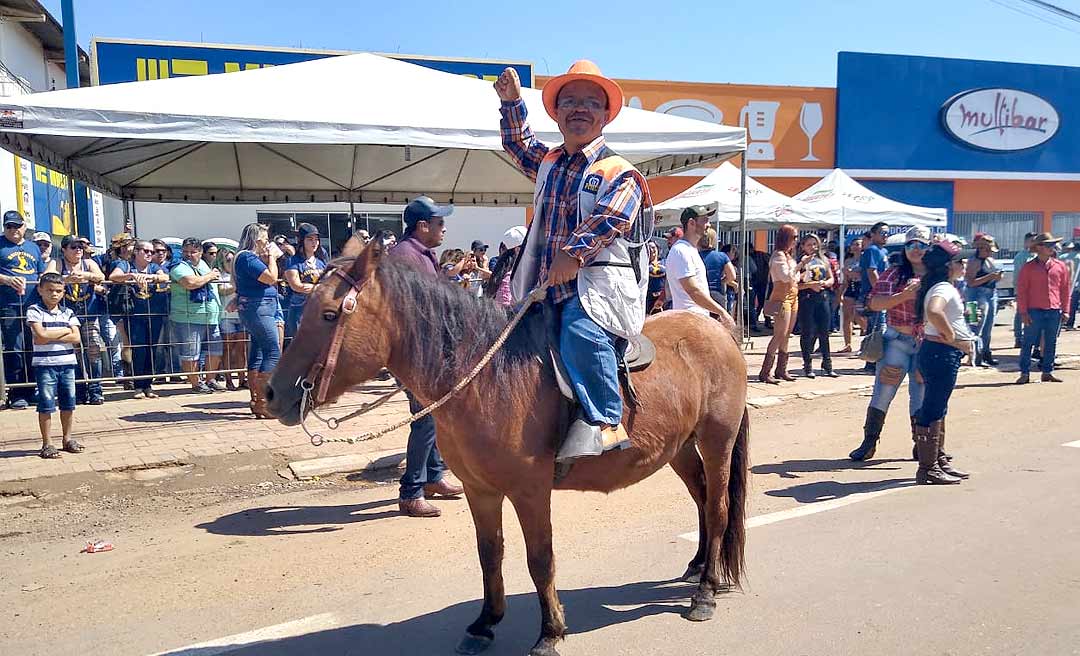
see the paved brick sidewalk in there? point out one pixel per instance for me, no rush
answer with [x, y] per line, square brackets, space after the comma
[129, 433]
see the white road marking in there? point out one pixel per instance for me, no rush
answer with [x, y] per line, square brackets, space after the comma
[1075, 445]
[276, 632]
[814, 508]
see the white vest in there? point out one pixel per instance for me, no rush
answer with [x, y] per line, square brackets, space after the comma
[612, 296]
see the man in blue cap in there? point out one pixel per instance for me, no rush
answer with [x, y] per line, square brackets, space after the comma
[20, 266]
[425, 471]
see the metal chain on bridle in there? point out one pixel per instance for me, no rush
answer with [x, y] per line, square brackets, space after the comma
[307, 385]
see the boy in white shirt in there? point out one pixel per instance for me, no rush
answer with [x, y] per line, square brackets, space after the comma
[55, 331]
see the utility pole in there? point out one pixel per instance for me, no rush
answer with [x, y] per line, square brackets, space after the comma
[71, 68]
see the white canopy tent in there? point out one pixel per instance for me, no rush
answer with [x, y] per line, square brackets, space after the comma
[358, 127]
[766, 209]
[852, 204]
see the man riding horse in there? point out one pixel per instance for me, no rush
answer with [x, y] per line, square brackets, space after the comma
[591, 218]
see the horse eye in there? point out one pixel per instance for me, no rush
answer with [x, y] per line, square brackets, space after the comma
[329, 315]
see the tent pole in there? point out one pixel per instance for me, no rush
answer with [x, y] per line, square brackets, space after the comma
[742, 306]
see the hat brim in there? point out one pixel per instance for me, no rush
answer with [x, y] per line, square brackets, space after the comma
[611, 89]
[964, 254]
[1044, 242]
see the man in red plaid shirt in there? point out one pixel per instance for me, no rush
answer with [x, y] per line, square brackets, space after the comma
[585, 241]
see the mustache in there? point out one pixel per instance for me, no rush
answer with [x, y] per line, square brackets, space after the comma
[579, 115]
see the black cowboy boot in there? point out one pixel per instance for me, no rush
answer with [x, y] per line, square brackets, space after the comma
[944, 459]
[988, 358]
[875, 421]
[930, 472]
[914, 441]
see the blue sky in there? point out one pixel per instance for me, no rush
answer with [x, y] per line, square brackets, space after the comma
[744, 41]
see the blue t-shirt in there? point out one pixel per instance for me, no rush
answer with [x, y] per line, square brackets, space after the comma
[247, 267]
[874, 257]
[308, 275]
[23, 260]
[155, 298]
[80, 297]
[715, 261]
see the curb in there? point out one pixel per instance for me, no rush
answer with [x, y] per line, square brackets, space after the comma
[347, 464]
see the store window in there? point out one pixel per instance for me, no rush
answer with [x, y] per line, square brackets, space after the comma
[1067, 225]
[1008, 228]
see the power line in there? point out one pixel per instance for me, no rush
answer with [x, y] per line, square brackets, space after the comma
[1054, 9]
[1030, 14]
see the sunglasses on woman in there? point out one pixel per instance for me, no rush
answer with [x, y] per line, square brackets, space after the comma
[916, 246]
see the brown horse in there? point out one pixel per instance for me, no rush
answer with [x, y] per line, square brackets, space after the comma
[499, 434]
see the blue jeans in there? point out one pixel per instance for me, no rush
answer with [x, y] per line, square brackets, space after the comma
[56, 386]
[423, 462]
[591, 355]
[259, 318]
[987, 300]
[900, 353]
[113, 348]
[292, 320]
[938, 364]
[143, 334]
[16, 361]
[1044, 327]
[89, 358]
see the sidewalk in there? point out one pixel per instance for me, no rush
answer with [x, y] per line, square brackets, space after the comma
[125, 433]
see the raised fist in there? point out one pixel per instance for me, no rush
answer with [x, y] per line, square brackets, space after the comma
[508, 86]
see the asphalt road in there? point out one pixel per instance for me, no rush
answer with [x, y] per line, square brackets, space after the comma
[842, 558]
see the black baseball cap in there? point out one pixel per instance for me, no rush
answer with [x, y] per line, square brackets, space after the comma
[305, 230]
[12, 217]
[478, 245]
[694, 212]
[423, 209]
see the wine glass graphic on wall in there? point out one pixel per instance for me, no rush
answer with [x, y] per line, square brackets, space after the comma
[810, 120]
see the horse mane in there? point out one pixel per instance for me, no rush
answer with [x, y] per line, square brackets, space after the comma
[445, 331]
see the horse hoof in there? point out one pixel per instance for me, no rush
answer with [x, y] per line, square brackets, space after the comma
[471, 645]
[700, 611]
[543, 649]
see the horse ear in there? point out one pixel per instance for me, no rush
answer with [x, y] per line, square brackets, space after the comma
[352, 247]
[368, 259]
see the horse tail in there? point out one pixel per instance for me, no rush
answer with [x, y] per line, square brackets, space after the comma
[732, 553]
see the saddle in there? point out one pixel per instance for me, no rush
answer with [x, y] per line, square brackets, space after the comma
[640, 352]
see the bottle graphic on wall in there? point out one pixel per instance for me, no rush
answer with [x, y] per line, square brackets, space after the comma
[810, 121]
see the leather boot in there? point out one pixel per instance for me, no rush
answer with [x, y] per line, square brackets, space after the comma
[875, 421]
[944, 460]
[781, 367]
[259, 408]
[765, 375]
[988, 358]
[253, 389]
[929, 472]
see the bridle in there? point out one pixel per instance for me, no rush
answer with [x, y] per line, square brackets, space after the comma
[321, 374]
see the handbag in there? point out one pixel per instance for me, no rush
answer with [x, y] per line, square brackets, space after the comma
[872, 348]
[772, 308]
[121, 299]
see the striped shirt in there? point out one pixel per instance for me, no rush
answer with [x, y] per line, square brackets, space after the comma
[612, 217]
[53, 354]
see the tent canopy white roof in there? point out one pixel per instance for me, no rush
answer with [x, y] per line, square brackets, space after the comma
[855, 205]
[365, 126]
[765, 208]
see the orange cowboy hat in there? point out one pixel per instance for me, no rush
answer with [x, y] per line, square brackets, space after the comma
[584, 69]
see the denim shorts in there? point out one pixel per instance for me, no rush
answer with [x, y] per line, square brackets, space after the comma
[231, 326]
[56, 386]
[191, 338]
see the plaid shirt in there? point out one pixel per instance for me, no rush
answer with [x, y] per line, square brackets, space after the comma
[889, 283]
[612, 217]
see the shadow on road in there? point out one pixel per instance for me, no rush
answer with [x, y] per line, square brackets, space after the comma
[586, 610]
[18, 453]
[829, 490]
[219, 405]
[791, 468]
[1006, 383]
[160, 416]
[297, 520]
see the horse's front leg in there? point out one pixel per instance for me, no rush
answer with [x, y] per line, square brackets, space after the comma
[534, 515]
[486, 508]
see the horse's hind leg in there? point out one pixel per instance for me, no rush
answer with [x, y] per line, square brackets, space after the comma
[486, 508]
[688, 465]
[534, 515]
[722, 446]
